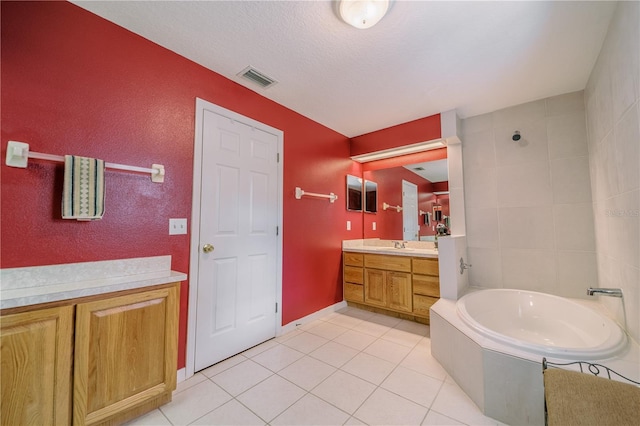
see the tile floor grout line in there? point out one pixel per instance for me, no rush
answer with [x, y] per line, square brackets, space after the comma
[377, 386]
[356, 324]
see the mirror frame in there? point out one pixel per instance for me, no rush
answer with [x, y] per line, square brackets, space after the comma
[353, 183]
[367, 208]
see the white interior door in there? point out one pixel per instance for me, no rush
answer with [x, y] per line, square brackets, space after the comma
[237, 259]
[410, 225]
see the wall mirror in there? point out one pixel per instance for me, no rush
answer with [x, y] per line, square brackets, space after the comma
[354, 193]
[437, 212]
[431, 177]
[370, 196]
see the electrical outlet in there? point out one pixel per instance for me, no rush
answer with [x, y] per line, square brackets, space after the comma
[177, 226]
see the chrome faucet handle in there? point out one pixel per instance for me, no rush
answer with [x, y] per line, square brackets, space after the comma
[464, 266]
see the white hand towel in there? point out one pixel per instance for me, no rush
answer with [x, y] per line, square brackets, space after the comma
[83, 190]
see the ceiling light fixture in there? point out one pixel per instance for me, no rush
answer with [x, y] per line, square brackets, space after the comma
[362, 14]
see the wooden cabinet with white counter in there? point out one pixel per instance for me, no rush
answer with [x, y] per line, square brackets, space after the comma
[405, 286]
[124, 351]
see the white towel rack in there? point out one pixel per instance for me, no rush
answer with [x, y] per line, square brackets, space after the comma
[18, 155]
[386, 206]
[299, 193]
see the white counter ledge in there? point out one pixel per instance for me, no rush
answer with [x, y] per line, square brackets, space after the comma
[378, 246]
[41, 284]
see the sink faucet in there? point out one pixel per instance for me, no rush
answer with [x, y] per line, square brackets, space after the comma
[613, 292]
[399, 244]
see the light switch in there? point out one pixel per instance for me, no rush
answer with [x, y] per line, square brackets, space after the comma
[177, 226]
[348, 225]
[373, 225]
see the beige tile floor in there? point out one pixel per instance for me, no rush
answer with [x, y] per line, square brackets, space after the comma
[351, 367]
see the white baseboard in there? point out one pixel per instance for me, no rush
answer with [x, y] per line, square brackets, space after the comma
[182, 375]
[311, 317]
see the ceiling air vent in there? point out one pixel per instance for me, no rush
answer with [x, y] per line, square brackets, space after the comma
[257, 77]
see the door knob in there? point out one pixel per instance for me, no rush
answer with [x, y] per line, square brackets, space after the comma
[207, 248]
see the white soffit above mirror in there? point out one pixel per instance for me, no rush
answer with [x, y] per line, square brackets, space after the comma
[395, 152]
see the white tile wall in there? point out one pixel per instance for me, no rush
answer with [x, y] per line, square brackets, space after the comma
[612, 113]
[569, 176]
[526, 227]
[567, 135]
[574, 228]
[532, 146]
[524, 185]
[487, 267]
[566, 198]
[528, 269]
[533, 205]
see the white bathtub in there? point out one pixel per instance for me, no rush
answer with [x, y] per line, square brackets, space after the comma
[491, 342]
[542, 324]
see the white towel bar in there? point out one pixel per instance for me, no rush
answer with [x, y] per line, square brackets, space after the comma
[299, 193]
[18, 155]
[386, 206]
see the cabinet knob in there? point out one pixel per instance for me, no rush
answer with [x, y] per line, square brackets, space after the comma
[207, 248]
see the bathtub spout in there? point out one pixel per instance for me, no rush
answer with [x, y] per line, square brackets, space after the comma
[613, 292]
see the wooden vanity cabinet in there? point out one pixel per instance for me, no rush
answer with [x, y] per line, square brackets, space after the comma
[125, 355]
[387, 282]
[353, 276]
[403, 285]
[426, 285]
[36, 352]
[124, 352]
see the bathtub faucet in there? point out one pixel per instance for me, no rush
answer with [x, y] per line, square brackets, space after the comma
[613, 292]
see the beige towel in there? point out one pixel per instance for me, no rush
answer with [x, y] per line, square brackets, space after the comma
[83, 191]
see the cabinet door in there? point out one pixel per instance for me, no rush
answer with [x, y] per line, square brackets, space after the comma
[35, 377]
[126, 353]
[399, 291]
[375, 292]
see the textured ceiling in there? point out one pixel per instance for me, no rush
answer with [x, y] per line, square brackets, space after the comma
[421, 59]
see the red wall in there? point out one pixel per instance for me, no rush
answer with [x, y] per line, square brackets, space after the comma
[421, 130]
[73, 83]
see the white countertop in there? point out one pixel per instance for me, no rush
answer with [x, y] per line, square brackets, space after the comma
[40, 284]
[378, 246]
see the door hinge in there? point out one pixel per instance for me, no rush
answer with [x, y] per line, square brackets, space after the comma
[276, 307]
[277, 231]
[278, 157]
